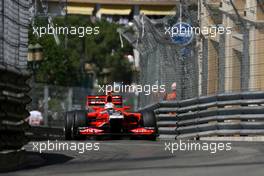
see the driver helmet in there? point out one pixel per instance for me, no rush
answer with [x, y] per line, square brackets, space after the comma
[109, 97]
[109, 106]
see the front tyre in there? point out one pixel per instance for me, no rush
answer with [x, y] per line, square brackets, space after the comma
[80, 120]
[68, 129]
[149, 120]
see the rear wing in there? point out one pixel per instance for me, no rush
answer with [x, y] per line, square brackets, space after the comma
[93, 100]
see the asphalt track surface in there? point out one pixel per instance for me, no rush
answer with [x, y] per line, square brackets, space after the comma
[124, 157]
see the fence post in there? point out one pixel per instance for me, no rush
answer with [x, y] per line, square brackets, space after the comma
[69, 99]
[221, 73]
[46, 105]
[245, 62]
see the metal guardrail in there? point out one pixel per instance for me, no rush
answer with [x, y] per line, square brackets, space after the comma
[44, 133]
[11, 157]
[221, 115]
[13, 102]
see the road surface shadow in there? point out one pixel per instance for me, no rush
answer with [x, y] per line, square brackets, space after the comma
[32, 160]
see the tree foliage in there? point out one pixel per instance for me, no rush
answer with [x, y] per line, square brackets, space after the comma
[64, 66]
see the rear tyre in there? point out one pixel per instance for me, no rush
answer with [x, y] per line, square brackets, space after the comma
[69, 118]
[80, 120]
[149, 120]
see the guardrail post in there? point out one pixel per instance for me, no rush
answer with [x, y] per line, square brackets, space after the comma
[46, 104]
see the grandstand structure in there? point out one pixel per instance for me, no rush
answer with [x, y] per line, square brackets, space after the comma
[117, 11]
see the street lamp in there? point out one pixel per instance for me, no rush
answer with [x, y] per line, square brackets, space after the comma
[38, 52]
[30, 56]
[35, 55]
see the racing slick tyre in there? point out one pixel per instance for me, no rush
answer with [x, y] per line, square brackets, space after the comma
[69, 118]
[80, 120]
[149, 120]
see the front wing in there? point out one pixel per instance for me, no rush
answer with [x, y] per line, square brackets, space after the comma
[139, 131]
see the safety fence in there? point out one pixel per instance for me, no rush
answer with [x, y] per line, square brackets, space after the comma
[13, 75]
[234, 114]
[52, 101]
[162, 62]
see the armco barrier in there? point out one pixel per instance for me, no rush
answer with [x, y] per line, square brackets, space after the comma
[13, 101]
[44, 133]
[13, 158]
[166, 119]
[236, 114]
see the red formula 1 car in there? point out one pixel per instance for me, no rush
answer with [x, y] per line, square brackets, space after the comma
[105, 116]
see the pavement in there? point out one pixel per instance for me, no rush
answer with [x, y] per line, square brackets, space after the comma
[143, 158]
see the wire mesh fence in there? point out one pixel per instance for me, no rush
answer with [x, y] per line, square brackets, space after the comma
[53, 101]
[161, 61]
[233, 62]
[212, 63]
[13, 33]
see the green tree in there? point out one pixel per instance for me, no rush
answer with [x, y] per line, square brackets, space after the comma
[65, 66]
